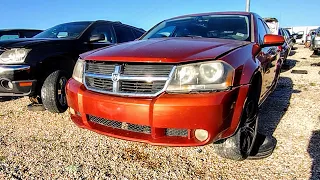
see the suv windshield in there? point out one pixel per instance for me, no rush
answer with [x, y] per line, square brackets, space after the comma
[68, 30]
[214, 26]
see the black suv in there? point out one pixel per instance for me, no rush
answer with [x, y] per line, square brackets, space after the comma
[39, 67]
[6, 34]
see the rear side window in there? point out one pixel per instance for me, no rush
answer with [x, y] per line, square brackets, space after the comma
[123, 34]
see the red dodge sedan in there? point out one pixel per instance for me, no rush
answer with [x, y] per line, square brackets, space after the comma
[189, 81]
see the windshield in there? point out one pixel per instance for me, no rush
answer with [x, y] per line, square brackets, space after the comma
[214, 26]
[68, 30]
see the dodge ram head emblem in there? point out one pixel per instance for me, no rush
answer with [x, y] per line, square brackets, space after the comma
[115, 77]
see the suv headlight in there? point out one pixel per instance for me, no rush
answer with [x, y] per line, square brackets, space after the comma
[14, 56]
[205, 76]
[79, 70]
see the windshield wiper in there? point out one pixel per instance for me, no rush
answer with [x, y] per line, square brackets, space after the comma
[193, 36]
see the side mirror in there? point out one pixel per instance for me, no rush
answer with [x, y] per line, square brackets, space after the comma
[272, 40]
[97, 37]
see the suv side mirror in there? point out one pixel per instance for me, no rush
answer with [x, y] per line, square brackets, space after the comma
[272, 40]
[97, 37]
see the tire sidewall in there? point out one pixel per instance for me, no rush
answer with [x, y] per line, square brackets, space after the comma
[49, 92]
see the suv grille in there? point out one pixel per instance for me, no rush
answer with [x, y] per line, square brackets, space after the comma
[127, 79]
[120, 125]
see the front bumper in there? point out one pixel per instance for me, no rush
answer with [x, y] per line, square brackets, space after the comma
[14, 80]
[218, 113]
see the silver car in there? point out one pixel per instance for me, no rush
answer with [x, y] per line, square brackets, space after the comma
[315, 41]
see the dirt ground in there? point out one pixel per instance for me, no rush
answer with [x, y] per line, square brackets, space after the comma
[44, 145]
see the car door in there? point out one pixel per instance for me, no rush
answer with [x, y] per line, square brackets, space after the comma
[123, 33]
[268, 58]
[104, 29]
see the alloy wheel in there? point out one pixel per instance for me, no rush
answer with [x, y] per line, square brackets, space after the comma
[249, 129]
[61, 91]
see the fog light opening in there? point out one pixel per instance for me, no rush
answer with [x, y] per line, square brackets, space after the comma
[6, 84]
[201, 134]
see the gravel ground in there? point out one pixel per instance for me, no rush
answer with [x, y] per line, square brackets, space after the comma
[44, 145]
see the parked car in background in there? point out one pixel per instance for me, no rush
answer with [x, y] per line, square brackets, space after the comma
[273, 25]
[287, 45]
[309, 36]
[315, 42]
[6, 34]
[301, 32]
[39, 67]
[300, 37]
[292, 37]
[189, 81]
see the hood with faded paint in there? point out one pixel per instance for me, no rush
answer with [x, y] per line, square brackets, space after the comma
[170, 50]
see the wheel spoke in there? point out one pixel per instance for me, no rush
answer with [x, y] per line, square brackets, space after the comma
[61, 91]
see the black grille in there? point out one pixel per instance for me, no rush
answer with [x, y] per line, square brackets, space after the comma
[177, 132]
[141, 87]
[147, 70]
[99, 83]
[99, 68]
[120, 125]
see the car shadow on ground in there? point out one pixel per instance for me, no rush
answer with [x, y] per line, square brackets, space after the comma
[288, 65]
[292, 52]
[271, 112]
[4, 99]
[275, 106]
[314, 153]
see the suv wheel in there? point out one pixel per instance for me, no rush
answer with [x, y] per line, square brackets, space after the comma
[53, 93]
[239, 146]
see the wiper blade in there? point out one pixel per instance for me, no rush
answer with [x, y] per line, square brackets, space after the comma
[193, 36]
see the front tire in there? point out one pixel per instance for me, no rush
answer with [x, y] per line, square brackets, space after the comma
[238, 147]
[53, 92]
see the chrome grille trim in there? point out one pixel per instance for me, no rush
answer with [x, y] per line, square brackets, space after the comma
[139, 78]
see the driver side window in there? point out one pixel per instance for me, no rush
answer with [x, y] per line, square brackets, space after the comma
[104, 30]
[261, 30]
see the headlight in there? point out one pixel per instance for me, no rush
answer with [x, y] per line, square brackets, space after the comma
[14, 56]
[206, 76]
[78, 71]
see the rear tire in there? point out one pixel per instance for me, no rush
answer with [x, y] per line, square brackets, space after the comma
[53, 92]
[238, 147]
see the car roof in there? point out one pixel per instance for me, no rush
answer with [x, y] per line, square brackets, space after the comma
[5, 30]
[216, 13]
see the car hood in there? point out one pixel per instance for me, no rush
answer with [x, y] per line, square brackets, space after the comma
[27, 42]
[170, 50]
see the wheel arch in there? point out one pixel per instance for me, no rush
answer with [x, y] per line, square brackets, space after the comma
[50, 64]
[255, 80]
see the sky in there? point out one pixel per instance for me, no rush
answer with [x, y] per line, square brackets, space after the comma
[43, 14]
